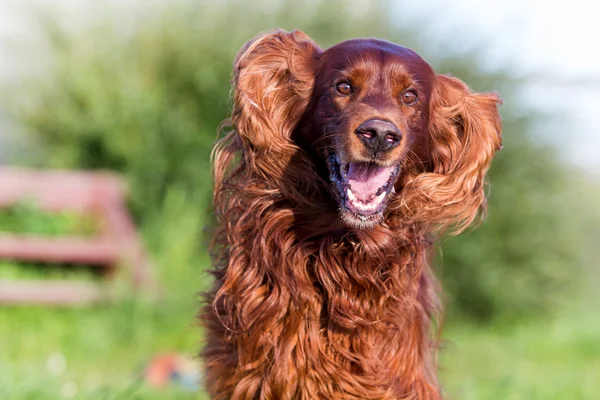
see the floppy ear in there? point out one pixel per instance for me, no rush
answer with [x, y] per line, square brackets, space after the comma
[273, 78]
[465, 132]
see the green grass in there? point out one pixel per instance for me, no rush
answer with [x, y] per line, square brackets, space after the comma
[548, 359]
[106, 347]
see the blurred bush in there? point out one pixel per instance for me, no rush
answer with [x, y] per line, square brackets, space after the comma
[147, 101]
[526, 258]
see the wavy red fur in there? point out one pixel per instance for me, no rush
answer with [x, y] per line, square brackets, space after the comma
[306, 305]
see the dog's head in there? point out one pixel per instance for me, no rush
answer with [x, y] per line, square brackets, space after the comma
[392, 135]
[370, 114]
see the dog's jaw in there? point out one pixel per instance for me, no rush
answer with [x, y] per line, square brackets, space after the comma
[362, 190]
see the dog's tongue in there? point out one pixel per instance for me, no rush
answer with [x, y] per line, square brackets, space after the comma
[366, 178]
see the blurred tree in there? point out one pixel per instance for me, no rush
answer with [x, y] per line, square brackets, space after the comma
[147, 102]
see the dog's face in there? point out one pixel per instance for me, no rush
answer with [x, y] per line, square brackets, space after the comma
[370, 115]
[394, 138]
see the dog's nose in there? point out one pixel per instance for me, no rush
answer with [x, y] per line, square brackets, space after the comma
[379, 135]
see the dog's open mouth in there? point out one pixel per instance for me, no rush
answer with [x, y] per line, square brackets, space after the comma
[363, 187]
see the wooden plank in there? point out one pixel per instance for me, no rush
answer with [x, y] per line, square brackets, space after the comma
[76, 250]
[59, 190]
[50, 292]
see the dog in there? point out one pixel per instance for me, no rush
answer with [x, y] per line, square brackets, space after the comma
[341, 168]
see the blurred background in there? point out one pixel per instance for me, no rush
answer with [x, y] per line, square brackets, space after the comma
[139, 88]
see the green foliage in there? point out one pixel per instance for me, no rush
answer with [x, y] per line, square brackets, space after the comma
[25, 218]
[525, 259]
[147, 102]
[13, 270]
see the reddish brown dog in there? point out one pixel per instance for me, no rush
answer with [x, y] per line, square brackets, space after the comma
[342, 166]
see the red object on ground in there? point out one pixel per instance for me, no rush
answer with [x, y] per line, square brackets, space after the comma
[160, 369]
[172, 368]
[116, 244]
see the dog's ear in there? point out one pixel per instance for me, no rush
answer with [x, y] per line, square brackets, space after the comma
[273, 78]
[465, 132]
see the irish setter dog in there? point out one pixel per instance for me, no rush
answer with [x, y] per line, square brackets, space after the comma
[341, 168]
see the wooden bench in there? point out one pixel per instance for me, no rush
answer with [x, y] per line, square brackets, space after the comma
[116, 243]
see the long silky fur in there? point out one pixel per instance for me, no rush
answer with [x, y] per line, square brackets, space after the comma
[304, 307]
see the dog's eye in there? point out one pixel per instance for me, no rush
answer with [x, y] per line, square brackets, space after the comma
[409, 97]
[344, 88]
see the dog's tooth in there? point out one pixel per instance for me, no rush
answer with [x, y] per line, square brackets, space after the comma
[351, 195]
